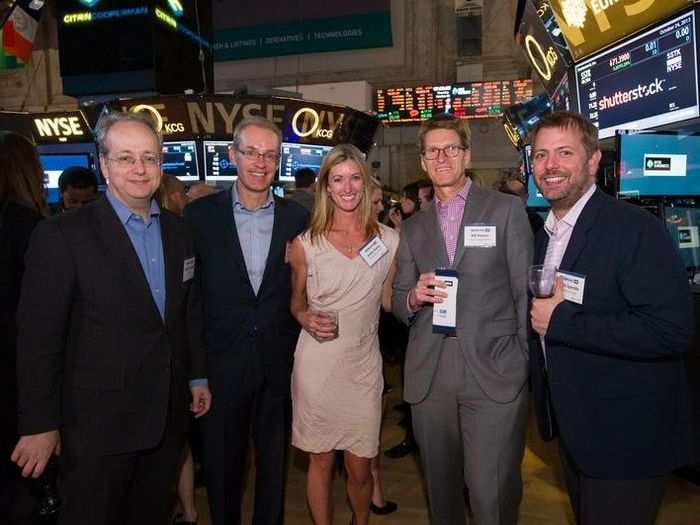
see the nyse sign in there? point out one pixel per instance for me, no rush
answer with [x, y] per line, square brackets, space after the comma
[50, 128]
[589, 25]
[217, 116]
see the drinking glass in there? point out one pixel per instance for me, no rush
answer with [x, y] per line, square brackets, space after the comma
[541, 279]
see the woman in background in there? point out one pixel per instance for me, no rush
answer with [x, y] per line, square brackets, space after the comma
[22, 206]
[342, 270]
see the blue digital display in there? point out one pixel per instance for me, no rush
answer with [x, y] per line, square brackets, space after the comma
[534, 197]
[54, 164]
[297, 156]
[683, 224]
[658, 165]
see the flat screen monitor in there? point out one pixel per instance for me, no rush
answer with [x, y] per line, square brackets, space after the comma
[180, 160]
[54, 164]
[684, 224]
[534, 196]
[648, 81]
[217, 166]
[296, 156]
[278, 190]
[658, 164]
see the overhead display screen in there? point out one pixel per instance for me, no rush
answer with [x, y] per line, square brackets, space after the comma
[487, 99]
[591, 25]
[297, 156]
[468, 100]
[648, 81]
[659, 164]
[543, 44]
[399, 105]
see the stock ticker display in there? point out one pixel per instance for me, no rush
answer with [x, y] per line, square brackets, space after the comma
[469, 100]
[648, 81]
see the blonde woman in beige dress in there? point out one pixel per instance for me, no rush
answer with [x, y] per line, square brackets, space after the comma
[342, 268]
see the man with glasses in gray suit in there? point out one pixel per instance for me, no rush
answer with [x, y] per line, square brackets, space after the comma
[465, 379]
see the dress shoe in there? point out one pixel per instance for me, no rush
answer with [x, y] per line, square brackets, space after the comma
[402, 407]
[388, 508]
[406, 447]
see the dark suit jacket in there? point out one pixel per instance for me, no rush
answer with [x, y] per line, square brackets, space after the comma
[238, 325]
[616, 363]
[95, 359]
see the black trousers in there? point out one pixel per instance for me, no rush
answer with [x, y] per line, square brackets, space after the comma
[612, 501]
[135, 488]
[249, 406]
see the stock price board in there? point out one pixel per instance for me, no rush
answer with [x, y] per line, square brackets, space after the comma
[402, 105]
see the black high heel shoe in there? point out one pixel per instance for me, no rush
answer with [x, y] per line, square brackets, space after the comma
[388, 508]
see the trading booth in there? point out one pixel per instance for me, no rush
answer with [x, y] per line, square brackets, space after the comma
[631, 68]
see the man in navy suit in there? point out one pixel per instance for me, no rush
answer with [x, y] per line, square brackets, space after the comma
[608, 349]
[241, 237]
[108, 348]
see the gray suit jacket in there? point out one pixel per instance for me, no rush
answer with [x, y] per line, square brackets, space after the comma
[491, 299]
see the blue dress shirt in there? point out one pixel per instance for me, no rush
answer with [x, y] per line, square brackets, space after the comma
[254, 229]
[147, 242]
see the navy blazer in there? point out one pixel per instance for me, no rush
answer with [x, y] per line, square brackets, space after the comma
[238, 324]
[616, 365]
[94, 357]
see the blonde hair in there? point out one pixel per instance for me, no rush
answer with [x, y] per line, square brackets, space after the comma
[324, 207]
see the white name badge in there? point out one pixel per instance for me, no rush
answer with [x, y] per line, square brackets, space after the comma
[479, 236]
[445, 313]
[373, 250]
[574, 283]
[188, 270]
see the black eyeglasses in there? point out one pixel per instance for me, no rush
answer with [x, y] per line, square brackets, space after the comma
[451, 151]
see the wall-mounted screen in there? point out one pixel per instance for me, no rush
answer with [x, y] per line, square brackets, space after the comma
[180, 160]
[217, 166]
[402, 105]
[658, 164]
[684, 224]
[54, 164]
[648, 81]
[487, 99]
[296, 156]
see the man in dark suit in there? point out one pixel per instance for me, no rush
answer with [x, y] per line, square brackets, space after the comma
[106, 343]
[608, 349]
[241, 238]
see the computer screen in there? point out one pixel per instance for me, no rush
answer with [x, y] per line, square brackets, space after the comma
[180, 160]
[217, 166]
[534, 196]
[647, 81]
[296, 156]
[658, 164]
[54, 164]
[683, 224]
[278, 190]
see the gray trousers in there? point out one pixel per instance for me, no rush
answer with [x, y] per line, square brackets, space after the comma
[467, 438]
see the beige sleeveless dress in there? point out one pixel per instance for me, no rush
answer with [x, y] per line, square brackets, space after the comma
[337, 385]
